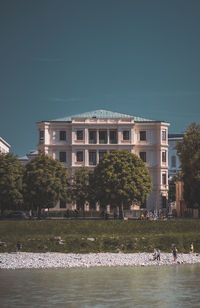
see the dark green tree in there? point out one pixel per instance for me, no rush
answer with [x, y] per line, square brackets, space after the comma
[189, 154]
[121, 179]
[80, 189]
[45, 182]
[11, 171]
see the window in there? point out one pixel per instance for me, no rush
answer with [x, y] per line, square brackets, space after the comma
[143, 156]
[173, 161]
[79, 156]
[142, 135]
[62, 135]
[164, 156]
[126, 135]
[102, 137]
[113, 136]
[92, 136]
[164, 135]
[92, 158]
[79, 135]
[62, 157]
[164, 179]
[101, 154]
[164, 202]
[62, 204]
[41, 135]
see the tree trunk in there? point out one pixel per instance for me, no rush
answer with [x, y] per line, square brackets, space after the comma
[121, 211]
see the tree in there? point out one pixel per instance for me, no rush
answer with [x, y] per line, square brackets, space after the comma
[189, 153]
[11, 171]
[121, 179]
[45, 182]
[80, 188]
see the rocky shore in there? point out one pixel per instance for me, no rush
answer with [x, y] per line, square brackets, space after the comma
[27, 260]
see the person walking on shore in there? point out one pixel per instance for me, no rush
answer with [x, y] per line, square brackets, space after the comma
[154, 254]
[158, 255]
[174, 252]
[19, 246]
[192, 248]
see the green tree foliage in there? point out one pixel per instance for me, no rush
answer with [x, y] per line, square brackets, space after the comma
[45, 182]
[121, 179]
[80, 189]
[189, 153]
[11, 172]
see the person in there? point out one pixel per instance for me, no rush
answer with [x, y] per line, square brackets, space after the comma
[158, 254]
[174, 251]
[192, 248]
[19, 246]
[154, 254]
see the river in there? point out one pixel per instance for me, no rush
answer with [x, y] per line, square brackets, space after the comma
[165, 286]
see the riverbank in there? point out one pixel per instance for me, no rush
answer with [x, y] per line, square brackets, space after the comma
[99, 236]
[24, 260]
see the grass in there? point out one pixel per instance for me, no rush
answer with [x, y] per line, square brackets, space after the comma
[99, 236]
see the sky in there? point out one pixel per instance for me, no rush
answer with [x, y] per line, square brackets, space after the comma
[63, 57]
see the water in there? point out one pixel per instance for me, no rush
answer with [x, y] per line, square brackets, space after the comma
[166, 286]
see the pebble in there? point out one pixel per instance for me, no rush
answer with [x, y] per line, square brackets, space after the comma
[27, 260]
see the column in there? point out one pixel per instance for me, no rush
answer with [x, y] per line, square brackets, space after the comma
[97, 132]
[86, 135]
[108, 136]
[86, 158]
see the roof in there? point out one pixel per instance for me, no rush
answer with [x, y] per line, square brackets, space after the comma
[3, 141]
[104, 114]
[175, 136]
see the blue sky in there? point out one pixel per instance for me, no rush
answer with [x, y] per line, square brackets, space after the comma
[62, 57]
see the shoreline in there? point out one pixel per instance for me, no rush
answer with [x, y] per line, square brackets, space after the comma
[50, 260]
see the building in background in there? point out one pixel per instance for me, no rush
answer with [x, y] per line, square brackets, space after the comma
[181, 206]
[83, 139]
[28, 157]
[4, 146]
[174, 162]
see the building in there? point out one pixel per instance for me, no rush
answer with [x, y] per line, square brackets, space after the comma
[181, 206]
[4, 146]
[174, 163]
[28, 157]
[82, 140]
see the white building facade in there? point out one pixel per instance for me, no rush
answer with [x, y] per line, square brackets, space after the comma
[4, 146]
[174, 162]
[82, 140]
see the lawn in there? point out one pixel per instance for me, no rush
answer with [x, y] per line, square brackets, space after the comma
[99, 236]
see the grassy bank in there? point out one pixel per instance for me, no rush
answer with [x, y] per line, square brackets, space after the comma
[99, 236]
